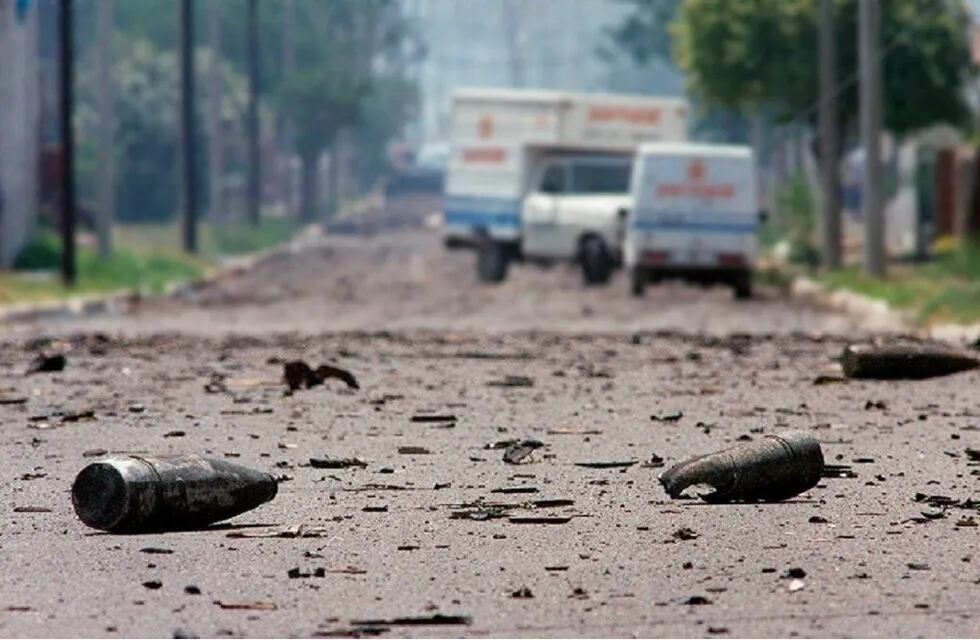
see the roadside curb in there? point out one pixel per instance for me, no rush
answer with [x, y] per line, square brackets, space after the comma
[877, 315]
[94, 304]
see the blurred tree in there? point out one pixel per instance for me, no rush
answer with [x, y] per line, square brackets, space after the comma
[320, 102]
[757, 54]
[645, 36]
[645, 32]
[391, 104]
[146, 135]
[336, 45]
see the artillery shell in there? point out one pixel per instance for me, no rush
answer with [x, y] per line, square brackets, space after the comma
[166, 493]
[773, 468]
[912, 362]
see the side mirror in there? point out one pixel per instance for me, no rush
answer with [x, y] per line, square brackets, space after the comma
[763, 216]
[622, 213]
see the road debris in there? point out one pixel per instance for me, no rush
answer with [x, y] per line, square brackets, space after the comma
[519, 451]
[607, 465]
[247, 606]
[913, 362]
[539, 519]
[437, 619]
[47, 363]
[337, 463]
[437, 418]
[512, 381]
[298, 531]
[299, 375]
[685, 533]
[135, 494]
[668, 417]
[574, 432]
[412, 450]
[654, 462]
[775, 467]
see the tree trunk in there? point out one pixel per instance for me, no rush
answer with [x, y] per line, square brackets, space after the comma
[333, 177]
[310, 187]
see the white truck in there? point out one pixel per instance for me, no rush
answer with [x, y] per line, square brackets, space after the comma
[543, 176]
[694, 216]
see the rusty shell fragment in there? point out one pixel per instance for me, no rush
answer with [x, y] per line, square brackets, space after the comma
[912, 362]
[775, 467]
[131, 494]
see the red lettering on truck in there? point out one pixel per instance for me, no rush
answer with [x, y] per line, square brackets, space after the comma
[484, 155]
[630, 115]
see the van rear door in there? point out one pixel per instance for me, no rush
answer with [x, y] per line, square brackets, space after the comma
[694, 209]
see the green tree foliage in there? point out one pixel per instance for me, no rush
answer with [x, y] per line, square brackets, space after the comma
[348, 61]
[147, 86]
[320, 102]
[644, 33]
[755, 54]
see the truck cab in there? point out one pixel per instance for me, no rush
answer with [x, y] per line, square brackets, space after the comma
[577, 207]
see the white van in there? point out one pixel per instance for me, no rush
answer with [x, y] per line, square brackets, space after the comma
[694, 216]
[543, 176]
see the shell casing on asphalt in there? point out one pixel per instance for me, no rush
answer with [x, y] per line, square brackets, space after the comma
[776, 467]
[131, 494]
[911, 362]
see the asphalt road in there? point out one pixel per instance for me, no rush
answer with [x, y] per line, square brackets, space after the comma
[622, 559]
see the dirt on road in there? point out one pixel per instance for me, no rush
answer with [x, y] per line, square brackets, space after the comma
[437, 535]
[407, 281]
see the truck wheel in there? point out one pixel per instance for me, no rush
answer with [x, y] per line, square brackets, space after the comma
[491, 262]
[743, 286]
[596, 262]
[638, 282]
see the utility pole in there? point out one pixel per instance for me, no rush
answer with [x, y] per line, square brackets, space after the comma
[216, 143]
[107, 123]
[827, 117]
[67, 79]
[187, 129]
[869, 19]
[254, 177]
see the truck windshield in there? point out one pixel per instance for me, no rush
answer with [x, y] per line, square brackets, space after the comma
[606, 177]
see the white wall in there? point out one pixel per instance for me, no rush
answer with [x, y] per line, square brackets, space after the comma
[19, 127]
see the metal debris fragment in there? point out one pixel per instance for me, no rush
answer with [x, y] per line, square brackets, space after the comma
[135, 494]
[299, 375]
[337, 463]
[914, 362]
[776, 467]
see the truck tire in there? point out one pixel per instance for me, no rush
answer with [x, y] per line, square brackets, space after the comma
[638, 282]
[743, 286]
[597, 264]
[491, 262]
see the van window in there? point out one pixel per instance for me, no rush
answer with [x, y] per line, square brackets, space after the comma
[553, 180]
[606, 177]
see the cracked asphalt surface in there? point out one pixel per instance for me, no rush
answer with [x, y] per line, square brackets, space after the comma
[612, 379]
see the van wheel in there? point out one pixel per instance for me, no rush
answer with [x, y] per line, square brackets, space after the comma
[638, 282]
[491, 262]
[743, 286]
[596, 262]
